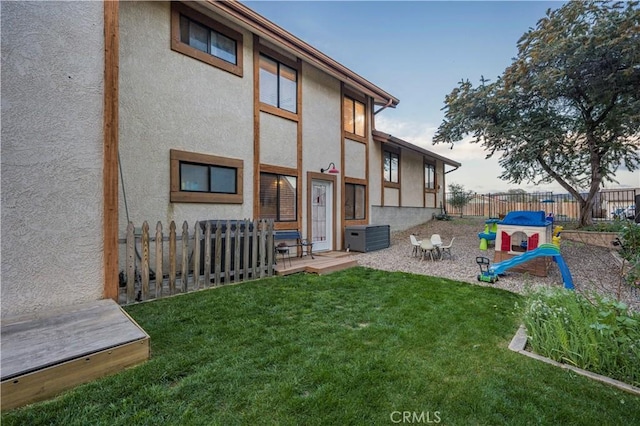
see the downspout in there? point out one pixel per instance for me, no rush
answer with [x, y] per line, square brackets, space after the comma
[384, 107]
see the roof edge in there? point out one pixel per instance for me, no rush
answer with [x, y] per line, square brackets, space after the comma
[383, 137]
[274, 33]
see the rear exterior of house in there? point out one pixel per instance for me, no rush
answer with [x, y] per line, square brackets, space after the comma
[215, 113]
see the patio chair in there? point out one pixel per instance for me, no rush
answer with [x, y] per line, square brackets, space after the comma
[436, 240]
[447, 249]
[426, 247]
[416, 245]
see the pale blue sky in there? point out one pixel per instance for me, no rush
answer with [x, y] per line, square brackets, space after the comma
[418, 51]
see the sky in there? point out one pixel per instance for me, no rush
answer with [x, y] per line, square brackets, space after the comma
[418, 51]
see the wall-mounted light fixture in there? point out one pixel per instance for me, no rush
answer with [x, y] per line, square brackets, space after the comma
[331, 168]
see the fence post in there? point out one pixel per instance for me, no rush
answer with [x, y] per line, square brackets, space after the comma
[207, 255]
[184, 268]
[236, 259]
[245, 257]
[217, 264]
[196, 256]
[145, 261]
[159, 260]
[131, 263]
[172, 258]
[254, 250]
[262, 248]
[270, 248]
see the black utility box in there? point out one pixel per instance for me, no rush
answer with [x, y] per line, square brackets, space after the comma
[366, 238]
[236, 226]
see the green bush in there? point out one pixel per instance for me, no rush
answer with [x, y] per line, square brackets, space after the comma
[630, 240]
[599, 335]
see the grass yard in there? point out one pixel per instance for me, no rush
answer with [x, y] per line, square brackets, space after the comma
[355, 347]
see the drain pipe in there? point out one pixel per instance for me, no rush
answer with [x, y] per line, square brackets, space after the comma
[388, 104]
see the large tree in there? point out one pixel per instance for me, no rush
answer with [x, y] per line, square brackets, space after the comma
[567, 109]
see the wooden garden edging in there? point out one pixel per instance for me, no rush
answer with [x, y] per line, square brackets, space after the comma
[238, 250]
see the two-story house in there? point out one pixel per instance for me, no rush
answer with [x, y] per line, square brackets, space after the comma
[157, 111]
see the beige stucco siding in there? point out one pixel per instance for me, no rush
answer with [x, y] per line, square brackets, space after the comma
[412, 179]
[375, 174]
[355, 159]
[320, 132]
[52, 142]
[278, 141]
[171, 101]
[392, 197]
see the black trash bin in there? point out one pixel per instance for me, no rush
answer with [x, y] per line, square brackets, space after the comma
[226, 233]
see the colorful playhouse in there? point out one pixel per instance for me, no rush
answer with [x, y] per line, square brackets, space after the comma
[520, 232]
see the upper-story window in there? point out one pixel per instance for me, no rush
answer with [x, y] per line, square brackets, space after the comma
[202, 38]
[278, 84]
[429, 176]
[391, 166]
[354, 116]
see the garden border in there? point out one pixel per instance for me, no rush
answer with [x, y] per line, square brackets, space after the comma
[519, 342]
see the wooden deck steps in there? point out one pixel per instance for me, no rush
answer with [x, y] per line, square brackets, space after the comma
[46, 353]
[324, 263]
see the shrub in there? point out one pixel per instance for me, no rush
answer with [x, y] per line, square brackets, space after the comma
[601, 336]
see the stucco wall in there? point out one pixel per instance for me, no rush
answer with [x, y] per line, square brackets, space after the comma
[401, 218]
[52, 141]
[412, 172]
[320, 132]
[391, 197]
[278, 141]
[355, 159]
[172, 101]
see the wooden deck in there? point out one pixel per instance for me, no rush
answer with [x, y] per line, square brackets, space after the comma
[324, 263]
[45, 354]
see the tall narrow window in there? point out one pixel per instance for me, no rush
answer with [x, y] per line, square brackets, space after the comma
[391, 165]
[429, 176]
[354, 116]
[354, 201]
[278, 197]
[205, 39]
[278, 84]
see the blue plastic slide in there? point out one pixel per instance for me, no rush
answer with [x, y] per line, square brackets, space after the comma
[544, 250]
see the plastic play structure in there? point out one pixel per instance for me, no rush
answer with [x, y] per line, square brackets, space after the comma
[524, 240]
[489, 233]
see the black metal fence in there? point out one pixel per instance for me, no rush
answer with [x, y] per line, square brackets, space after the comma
[609, 204]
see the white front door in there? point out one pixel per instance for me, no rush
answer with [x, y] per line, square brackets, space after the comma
[321, 215]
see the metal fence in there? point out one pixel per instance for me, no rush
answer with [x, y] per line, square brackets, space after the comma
[608, 205]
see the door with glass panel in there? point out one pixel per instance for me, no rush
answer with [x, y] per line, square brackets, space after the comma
[321, 215]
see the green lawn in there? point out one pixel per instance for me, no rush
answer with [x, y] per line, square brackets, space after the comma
[354, 347]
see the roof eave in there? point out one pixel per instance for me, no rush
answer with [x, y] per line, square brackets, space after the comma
[383, 137]
[275, 34]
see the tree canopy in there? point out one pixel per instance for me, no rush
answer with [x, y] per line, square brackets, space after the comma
[567, 109]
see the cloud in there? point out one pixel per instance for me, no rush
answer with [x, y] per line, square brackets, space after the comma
[421, 134]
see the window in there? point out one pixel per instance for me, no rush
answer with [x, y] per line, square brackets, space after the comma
[354, 116]
[391, 164]
[354, 201]
[278, 197]
[278, 84]
[429, 176]
[202, 38]
[200, 178]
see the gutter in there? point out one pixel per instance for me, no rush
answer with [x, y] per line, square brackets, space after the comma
[387, 105]
[452, 170]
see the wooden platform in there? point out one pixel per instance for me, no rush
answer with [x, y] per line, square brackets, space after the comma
[324, 263]
[45, 354]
